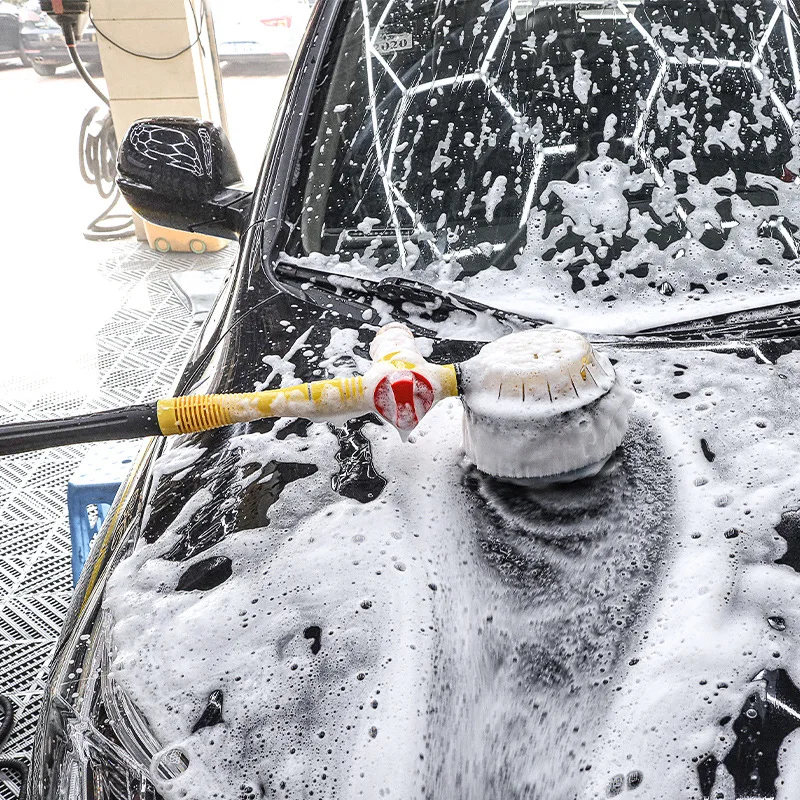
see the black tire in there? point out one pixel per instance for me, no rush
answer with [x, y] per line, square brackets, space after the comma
[45, 70]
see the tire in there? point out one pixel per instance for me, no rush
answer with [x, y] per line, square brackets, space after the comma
[45, 70]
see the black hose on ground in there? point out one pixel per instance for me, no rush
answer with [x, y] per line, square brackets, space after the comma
[15, 765]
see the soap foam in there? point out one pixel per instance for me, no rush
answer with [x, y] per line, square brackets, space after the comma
[574, 633]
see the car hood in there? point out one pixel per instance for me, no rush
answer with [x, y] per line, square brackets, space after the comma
[382, 619]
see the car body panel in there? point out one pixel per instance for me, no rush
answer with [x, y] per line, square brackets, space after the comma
[249, 30]
[48, 47]
[297, 504]
[43, 41]
[9, 31]
[537, 611]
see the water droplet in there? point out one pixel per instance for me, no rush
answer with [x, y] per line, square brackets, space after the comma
[751, 713]
[635, 779]
[616, 785]
[732, 533]
[777, 623]
[665, 288]
[172, 763]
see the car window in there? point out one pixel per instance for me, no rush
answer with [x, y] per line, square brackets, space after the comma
[589, 159]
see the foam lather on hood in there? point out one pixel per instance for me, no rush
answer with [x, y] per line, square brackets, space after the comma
[542, 404]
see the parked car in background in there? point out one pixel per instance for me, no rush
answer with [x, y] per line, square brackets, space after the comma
[43, 42]
[257, 32]
[10, 46]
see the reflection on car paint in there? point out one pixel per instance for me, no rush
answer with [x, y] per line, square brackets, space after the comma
[357, 477]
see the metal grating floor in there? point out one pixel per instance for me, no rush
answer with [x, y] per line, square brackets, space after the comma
[138, 354]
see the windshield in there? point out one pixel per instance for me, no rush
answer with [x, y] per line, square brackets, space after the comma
[603, 165]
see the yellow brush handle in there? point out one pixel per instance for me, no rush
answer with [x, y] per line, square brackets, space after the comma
[320, 399]
[400, 385]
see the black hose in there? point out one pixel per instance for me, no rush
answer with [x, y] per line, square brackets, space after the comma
[11, 764]
[69, 38]
[131, 422]
[8, 718]
[97, 158]
[97, 152]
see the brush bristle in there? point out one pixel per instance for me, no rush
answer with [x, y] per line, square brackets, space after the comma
[542, 403]
[545, 448]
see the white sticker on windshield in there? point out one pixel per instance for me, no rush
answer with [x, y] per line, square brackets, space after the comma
[394, 43]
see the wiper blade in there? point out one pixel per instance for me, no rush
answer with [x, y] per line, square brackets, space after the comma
[397, 289]
[774, 320]
[406, 290]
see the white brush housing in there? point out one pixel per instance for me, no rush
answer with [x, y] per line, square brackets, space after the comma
[542, 404]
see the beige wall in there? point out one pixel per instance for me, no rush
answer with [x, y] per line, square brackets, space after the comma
[139, 87]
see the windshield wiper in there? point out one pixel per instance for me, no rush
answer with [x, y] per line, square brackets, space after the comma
[396, 290]
[779, 320]
[762, 322]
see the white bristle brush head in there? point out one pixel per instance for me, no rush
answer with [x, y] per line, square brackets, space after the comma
[542, 405]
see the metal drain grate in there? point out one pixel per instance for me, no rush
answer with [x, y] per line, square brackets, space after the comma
[139, 351]
[9, 785]
[25, 718]
[21, 538]
[33, 617]
[23, 660]
[11, 570]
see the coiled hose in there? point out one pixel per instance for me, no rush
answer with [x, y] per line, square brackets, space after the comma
[11, 764]
[97, 157]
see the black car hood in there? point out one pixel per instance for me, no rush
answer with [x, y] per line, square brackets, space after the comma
[383, 620]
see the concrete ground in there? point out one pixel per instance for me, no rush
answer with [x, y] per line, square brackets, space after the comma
[83, 326]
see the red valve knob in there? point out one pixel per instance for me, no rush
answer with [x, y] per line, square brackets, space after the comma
[403, 398]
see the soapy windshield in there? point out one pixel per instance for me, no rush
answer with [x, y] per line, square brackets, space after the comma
[577, 159]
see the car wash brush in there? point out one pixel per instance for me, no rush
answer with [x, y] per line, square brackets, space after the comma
[538, 405]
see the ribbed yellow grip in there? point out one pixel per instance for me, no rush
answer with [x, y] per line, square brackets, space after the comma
[194, 413]
[449, 378]
[320, 399]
